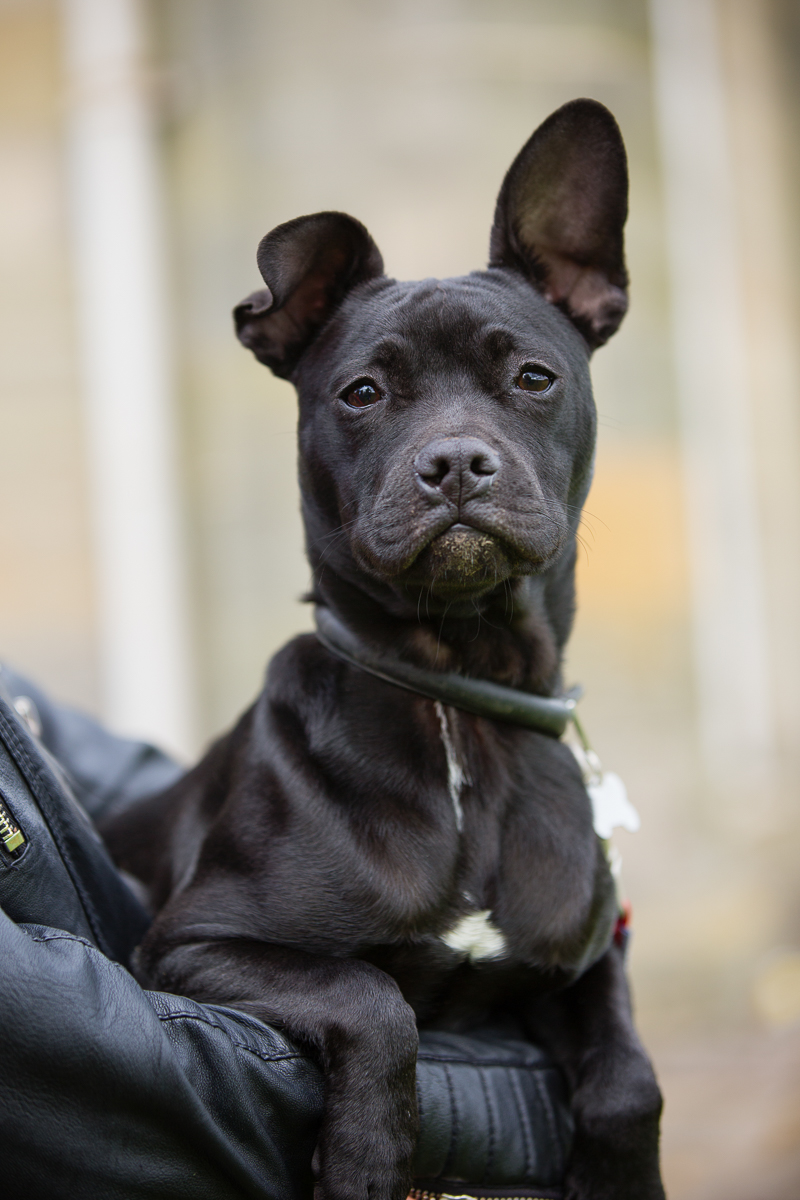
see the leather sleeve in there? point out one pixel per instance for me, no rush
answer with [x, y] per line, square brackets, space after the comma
[109, 1091]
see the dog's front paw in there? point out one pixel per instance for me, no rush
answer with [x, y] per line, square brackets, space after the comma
[615, 1160]
[368, 1136]
[368, 1161]
[591, 1179]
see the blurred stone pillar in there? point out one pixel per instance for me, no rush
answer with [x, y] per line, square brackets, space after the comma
[760, 144]
[731, 651]
[124, 339]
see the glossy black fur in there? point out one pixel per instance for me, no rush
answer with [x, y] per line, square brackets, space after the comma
[308, 869]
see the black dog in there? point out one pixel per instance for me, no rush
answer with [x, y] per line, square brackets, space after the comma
[353, 859]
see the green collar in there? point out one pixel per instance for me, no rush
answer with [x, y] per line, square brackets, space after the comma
[478, 696]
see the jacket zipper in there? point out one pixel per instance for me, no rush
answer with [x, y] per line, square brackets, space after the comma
[422, 1194]
[11, 836]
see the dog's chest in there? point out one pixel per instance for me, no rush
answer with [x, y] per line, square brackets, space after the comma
[462, 875]
[441, 848]
[475, 935]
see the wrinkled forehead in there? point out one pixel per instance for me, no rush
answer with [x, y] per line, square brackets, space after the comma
[437, 324]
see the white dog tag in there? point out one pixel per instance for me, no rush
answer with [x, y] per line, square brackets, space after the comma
[610, 806]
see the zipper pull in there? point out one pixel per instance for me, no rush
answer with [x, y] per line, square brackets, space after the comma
[11, 835]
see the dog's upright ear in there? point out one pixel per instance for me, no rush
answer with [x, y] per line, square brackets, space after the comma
[308, 265]
[560, 216]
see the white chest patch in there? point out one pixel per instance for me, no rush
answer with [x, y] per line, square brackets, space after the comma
[476, 937]
[456, 775]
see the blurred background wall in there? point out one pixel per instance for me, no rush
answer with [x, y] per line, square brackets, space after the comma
[151, 544]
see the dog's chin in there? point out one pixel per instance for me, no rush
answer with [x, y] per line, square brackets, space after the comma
[461, 563]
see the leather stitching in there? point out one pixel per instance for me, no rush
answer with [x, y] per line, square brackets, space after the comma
[282, 1056]
[454, 1122]
[525, 1122]
[491, 1122]
[555, 1141]
[463, 1060]
[64, 937]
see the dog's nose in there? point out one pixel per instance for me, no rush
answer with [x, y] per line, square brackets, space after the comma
[458, 468]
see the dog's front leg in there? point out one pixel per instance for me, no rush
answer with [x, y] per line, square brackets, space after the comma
[353, 1016]
[616, 1100]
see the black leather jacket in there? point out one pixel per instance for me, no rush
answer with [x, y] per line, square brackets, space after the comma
[108, 1091]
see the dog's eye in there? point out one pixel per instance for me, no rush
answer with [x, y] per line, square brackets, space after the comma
[361, 394]
[533, 379]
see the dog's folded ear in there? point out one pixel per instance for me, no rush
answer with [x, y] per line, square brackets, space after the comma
[560, 216]
[308, 265]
